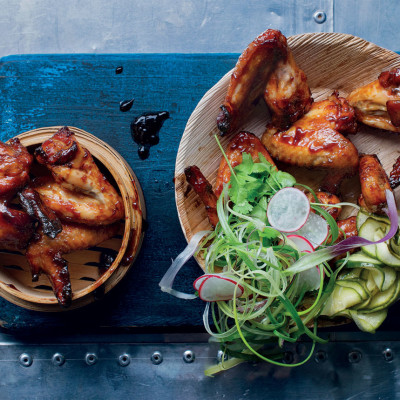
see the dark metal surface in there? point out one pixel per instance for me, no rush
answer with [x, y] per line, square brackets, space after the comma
[123, 366]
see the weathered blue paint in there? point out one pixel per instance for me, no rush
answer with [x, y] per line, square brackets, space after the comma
[84, 91]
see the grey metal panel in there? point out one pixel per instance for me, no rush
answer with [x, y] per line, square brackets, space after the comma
[339, 370]
[126, 26]
[375, 20]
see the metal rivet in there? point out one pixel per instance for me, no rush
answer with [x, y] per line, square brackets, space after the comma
[221, 355]
[25, 360]
[355, 356]
[388, 354]
[188, 356]
[58, 359]
[124, 360]
[156, 358]
[319, 17]
[91, 358]
[320, 356]
[288, 357]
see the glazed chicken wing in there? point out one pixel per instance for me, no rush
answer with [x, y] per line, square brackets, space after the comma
[243, 142]
[15, 164]
[378, 103]
[16, 228]
[316, 139]
[204, 190]
[326, 198]
[265, 69]
[374, 183]
[287, 93]
[78, 191]
[45, 254]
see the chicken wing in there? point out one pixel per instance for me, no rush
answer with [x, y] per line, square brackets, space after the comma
[204, 190]
[243, 142]
[378, 103]
[394, 177]
[374, 183]
[15, 163]
[326, 198]
[265, 69]
[287, 93]
[78, 191]
[316, 139]
[16, 228]
[249, 78]
[45, 254]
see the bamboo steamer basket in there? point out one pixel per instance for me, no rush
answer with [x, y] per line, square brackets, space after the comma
[88, 281]
[331, 61]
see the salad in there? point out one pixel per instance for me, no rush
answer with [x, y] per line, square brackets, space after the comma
[269, 275]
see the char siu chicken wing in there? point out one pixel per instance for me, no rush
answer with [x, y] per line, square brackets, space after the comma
[378, 103]
[45, 254]
[265, 69]
[316, 139]
[15, 164]
[78, 191]
[16, 227]
[374, 183]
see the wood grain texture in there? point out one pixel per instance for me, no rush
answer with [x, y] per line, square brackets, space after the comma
[331, 61]
[16, 283]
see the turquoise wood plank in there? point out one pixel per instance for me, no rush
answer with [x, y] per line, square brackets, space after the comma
[85, 91]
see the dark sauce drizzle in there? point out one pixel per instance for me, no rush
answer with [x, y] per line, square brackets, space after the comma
[107, 257]
[145, 129]
[119, 70]
[126, 105]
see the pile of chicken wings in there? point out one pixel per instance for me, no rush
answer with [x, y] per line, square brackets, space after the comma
[71, 207]
[302, 132]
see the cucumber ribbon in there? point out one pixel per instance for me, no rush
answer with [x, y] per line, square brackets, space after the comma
[310, 260]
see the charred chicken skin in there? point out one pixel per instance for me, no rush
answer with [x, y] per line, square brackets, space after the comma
[45, 254]
[374, 183]
[204, 190]
[316, 140]
[16, 227]
[243, 142]
[378, 103]
[15, 164]
[265, 69]
[78, 191]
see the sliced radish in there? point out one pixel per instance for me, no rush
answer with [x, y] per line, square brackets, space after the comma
[288, 210]
[316, 230]
[197, 283]
[219, 288]
[301, 243]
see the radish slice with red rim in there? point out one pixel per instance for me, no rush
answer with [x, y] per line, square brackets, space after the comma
[316, 230]
[197, 283]
[288, 210]
[301, 243]
[219, 288]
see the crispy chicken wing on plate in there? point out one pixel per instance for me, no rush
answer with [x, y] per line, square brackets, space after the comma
[316, 139]
[378, 103]
[265, 69]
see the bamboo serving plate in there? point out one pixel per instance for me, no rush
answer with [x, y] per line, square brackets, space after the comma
[88, 281]
[331, 61]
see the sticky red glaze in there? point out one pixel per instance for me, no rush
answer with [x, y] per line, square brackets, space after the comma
[393, 109]
[390, 78]
[394, 178]
[348, 226]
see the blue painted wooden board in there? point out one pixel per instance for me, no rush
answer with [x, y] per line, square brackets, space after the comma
[84, 91]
